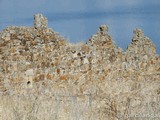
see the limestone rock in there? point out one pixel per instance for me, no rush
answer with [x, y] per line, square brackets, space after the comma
[141, 51]
[96, 80]
[138, 34]
[103, 29]
[40, 21]
[29, 72]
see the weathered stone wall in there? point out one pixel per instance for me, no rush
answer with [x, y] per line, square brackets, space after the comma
[38, 62]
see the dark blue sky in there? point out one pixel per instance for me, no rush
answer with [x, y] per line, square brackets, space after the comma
[77, 20]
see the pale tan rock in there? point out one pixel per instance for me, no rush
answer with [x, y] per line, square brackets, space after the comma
[40, 21]
[29, 72]
[55, 79]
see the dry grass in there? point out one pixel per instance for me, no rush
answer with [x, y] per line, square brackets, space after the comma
[99, 100]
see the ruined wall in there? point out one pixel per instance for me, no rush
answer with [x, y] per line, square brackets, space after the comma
[38, 61]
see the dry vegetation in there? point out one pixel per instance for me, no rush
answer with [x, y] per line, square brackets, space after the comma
[116, 100]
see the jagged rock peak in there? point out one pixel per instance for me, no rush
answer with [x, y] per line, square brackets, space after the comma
[101, 38]
[138, 34]
[140, 40]
[103, 29]
[40, 21]
[140, 47]
[35, 36]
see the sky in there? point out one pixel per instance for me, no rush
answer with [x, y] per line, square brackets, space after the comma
[78, 20]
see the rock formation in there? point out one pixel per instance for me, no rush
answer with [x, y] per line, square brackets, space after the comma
[40, 22]
[97, 80]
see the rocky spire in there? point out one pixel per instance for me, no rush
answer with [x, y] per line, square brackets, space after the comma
[141, 44]
[103, 30]
[101, 38]
[40, 21]
[138, 34]
[140, 48]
